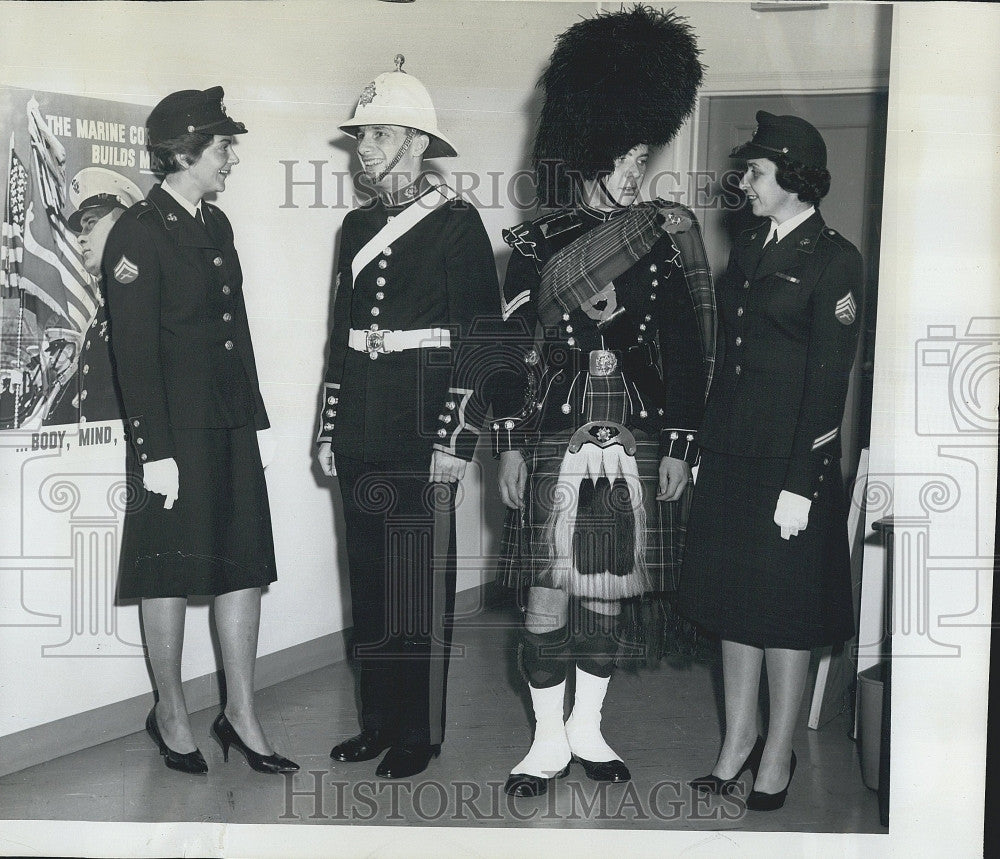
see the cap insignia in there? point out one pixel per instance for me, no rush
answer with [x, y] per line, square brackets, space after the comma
[367, 94]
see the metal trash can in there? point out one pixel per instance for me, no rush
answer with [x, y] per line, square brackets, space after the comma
[871, 683]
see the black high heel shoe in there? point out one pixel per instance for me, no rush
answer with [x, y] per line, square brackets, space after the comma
[226, 733]
[724, 786]
[189, 762]
[760, 801]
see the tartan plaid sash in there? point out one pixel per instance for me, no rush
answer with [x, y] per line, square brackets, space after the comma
[585, 266]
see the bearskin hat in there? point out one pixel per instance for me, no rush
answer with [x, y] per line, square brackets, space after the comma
[614, 81]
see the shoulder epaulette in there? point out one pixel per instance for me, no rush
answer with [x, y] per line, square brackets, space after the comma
[528, 235]
[835, 237]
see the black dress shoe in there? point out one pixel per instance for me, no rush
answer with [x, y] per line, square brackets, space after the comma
[272, 763]
[404, 761]
[523, 784]
[614, 771]
[725, 786]
[760, 801]
[364, 747]
[188, 762]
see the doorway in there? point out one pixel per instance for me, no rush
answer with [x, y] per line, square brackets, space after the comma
[854, 127]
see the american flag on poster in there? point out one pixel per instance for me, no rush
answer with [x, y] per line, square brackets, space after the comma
[51, 267]
[12, 240]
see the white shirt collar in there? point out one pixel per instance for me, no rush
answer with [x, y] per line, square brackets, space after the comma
[779, 231]
[192, 210]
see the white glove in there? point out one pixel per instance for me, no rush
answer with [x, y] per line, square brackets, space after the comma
[160, 476]
[268, 445]
[325, 456]
[791, 513]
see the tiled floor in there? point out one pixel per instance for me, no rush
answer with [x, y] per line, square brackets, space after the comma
[662, 721]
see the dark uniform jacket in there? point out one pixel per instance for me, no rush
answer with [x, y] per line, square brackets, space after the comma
[99, 399]
[181, 340]
[789, 323]
[441, 273]
[656, 338]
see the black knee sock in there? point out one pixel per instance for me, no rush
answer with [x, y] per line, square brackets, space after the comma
[595, 641]
[543, 657]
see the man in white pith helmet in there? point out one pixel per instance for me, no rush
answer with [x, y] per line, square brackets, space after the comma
[401, 414]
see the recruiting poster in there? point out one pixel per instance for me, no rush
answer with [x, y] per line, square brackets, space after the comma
[72, 166]
[63, 152]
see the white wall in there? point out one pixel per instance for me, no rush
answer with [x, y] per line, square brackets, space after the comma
[292, 71]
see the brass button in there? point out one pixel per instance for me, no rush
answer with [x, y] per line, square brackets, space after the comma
[217, 262]
[442, 432]
[331, 400]
[383, 264]
[227, 317]
[642, 326]
[746, 284]
[387, 252]
[380, 295]
[83, 395]
[654, 282]
[375, 311]
[226, 290]
[652, 268]
[739, 311]
[86, 369]
[143, 457]
[230, 345]
[739, 369]
[138, 441]
[330, 413]
[379, 281]
[135, 423]
[739, 341]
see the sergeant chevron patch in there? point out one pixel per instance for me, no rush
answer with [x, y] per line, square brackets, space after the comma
[846, 310]
[125, 271]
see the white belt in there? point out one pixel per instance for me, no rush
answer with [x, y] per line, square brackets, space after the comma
[376, 342]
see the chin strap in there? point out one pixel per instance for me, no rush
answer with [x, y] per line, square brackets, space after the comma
[608, 195]
[410, 134]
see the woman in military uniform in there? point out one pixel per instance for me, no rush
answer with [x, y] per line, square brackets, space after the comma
[767, 565]
[197, 518]
[596, 447]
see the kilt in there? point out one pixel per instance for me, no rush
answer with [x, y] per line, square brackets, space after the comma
[742, 581]
[217, 536]
[526, 553]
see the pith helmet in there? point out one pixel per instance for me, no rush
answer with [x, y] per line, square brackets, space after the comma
[398, 98]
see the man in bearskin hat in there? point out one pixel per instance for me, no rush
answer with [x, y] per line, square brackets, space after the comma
[596, 432]
[401, 416]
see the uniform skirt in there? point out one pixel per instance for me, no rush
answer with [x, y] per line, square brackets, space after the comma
[745, 583]
[217, 536]
[527, 548]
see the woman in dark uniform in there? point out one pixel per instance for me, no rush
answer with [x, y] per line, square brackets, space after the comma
[197, 518]
[767, 565]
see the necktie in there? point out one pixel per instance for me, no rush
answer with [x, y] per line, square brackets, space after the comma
[199, 216]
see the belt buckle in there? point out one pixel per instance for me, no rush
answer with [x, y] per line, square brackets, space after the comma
[374, 343]
[602, 362]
